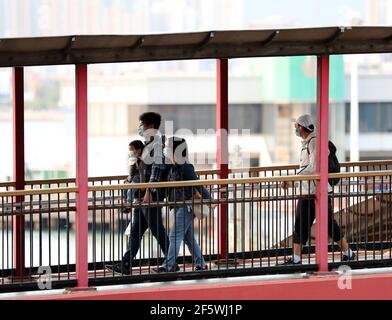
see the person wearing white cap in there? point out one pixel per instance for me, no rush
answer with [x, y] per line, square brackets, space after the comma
[305, 211]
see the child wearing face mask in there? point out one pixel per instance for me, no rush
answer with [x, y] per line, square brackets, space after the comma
[134, 154]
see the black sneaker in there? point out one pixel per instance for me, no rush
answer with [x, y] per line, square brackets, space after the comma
[200, 268]
[159, 270]
[290, 261]
[347, 258]
[163, 269]
[118, 268]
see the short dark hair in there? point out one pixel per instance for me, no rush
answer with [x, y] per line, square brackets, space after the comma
[149, 118]
[176, 142]
[137, 144]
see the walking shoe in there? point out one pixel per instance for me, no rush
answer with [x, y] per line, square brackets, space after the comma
[347, 258]
[289, 261]
[119, 268]
[126, 210]
[159, 270]
[200, 268]
[163, 269]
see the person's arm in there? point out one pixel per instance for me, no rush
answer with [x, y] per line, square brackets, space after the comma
[158, 165]
[132, 172]
[190, 174]
[205, 193]
[199, 191]
[202, 191]
[157, 169]
[156, 173]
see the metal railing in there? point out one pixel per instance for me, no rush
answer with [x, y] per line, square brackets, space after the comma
[258, 230]
[267, 171]
[48, 238]
[259, 215]
[363, 209]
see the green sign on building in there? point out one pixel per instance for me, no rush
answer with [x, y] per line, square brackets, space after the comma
[294, 79]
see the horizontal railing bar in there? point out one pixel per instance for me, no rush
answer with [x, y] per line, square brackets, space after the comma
[239, 181]
[95, 179]
[49, 181]
[214, 189]
[293, 167]
[199, 183]
[361, 174]
[366, 163]
[120, 205]
[38, 192]
[192, 183]
[204, 172]
[7, 184]
[262, 169]
[110, 206]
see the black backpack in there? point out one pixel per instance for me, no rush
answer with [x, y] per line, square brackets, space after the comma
[333, 162]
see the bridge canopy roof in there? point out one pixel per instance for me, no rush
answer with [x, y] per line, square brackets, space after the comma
[75, 49]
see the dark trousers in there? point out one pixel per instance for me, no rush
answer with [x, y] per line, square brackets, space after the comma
[304, 217]
[142, 220]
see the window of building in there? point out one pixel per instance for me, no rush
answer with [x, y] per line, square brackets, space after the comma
[374, 117]
[194, 117]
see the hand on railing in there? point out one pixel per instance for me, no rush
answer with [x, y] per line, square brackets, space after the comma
[214, 205]
[147, 197]
[284, 185]
[288, 184]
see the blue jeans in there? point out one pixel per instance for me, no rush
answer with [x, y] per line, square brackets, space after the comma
[183, 231]
[131, 194]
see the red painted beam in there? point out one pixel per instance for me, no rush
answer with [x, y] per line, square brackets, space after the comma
[369, 287]
[222, 157]
[322, 163]
[81, 176]
[19, 167]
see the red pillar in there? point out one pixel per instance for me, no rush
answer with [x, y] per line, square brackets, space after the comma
[81, 177]
[222, 126]
[322, 163]
[19, 167]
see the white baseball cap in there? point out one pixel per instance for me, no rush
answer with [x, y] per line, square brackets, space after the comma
[305, 121]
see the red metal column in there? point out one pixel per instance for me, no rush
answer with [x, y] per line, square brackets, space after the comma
[322, 163]
[19, 167]
[81, 177]
[222, 127]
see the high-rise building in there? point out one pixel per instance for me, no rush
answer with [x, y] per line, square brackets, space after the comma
[378, 12]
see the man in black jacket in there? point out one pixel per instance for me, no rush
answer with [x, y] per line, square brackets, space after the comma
[151, 169]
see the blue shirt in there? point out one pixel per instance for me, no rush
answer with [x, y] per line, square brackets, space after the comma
[185, 172]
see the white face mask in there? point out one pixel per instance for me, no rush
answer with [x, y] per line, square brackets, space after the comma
[132, 158]
[132, 154]
[140, 131]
